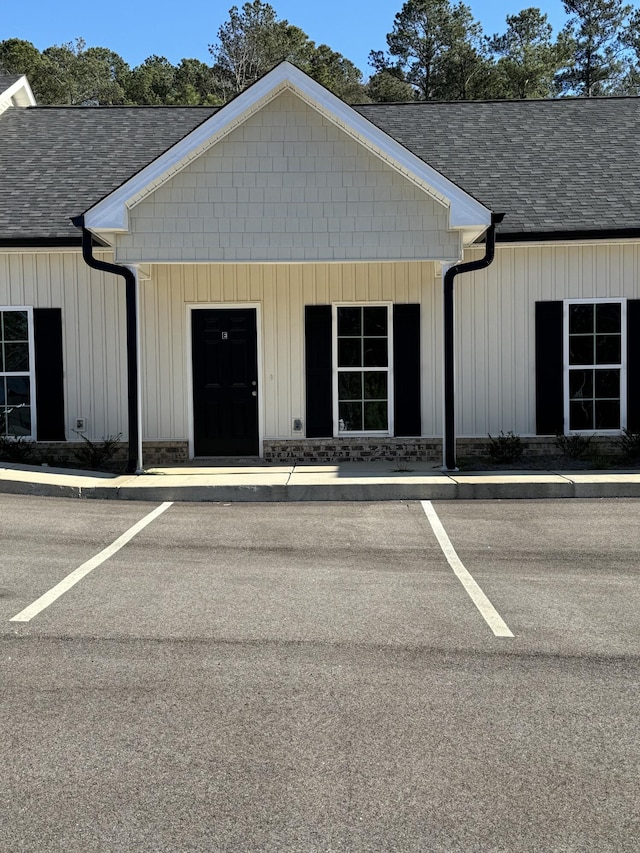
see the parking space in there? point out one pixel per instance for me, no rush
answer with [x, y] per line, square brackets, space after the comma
[560, 575]
[335, 573]
[316, 677]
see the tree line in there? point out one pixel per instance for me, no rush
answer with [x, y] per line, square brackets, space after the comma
[435, 51]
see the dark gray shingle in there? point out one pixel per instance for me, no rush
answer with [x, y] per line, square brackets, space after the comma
[550, 166]
[7, 80]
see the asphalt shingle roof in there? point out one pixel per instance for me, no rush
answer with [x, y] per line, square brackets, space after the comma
[556, 165]
[7, 80]
[56, 162]
[550, 166]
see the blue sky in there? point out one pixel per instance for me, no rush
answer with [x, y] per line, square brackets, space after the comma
[139, 28]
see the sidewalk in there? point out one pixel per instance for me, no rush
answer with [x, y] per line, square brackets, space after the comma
[348, 481]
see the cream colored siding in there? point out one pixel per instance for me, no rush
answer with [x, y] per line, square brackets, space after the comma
[287, 185]
[281, 291]
[93, 330]
[495, 311]
[495, 317]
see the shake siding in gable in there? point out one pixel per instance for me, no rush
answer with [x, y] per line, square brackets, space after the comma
[93, 331]
[282, 291]
[287, 185]
[495, 317]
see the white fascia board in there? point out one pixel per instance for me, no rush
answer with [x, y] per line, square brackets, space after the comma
[111, 213]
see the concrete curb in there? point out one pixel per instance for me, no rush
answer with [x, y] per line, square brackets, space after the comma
[315, 484]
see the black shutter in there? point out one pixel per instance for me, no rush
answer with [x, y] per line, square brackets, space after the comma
[633, 365]
[317, 349]
[549, 367]
[47, 323]
[406, 370]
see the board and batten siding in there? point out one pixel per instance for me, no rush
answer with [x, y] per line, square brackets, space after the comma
[287, 185]
[93, 330]
[495, 323]
[282, 291]
[495, 356]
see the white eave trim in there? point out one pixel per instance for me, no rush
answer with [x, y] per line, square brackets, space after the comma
[111, 214]
[18, 94]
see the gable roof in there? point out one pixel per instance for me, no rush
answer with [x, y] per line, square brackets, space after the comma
[465, 212]
[555, 168]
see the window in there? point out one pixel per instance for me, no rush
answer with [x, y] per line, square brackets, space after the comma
[16, 372]
[595, 379]
[363, 374]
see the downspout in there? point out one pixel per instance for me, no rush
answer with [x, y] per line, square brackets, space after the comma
[133, 463]
[449, 340]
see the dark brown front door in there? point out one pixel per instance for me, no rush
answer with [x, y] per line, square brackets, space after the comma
[225, 382]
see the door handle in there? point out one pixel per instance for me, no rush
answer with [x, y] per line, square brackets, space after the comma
[254, 393]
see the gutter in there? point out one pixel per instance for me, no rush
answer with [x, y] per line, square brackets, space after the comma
[449, 443]
[133, 462]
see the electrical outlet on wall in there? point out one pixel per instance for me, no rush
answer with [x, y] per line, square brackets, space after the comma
[297, 424]
[81, 424]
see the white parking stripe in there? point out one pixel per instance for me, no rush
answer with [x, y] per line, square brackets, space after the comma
[71, 580]
[486, 608]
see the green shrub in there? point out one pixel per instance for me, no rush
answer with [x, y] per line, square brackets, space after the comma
[575, 446]
[96, 455]
[506, 448]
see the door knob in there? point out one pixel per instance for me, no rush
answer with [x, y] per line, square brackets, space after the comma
[254, 393]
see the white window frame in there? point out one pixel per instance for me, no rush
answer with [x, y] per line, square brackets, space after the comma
[335, 370]
[622, 365]
[30, 373]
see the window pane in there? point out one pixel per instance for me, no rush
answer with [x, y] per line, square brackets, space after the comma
[581, 415]
[15, 326]
[375, 352]
[350, 416]
[375, 322]
[350, 321]
[581, 349]
[607, 414]
[3, 393]
[607, 383]
[375, 415]
[580, 384]
[18, 390]
[580, 318]
[350, 386]
[375, 386]
[608, 349]
[19, 421]
[349, 352]
[16, 357]
[608, 317]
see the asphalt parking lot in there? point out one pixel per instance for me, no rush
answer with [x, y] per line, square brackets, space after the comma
[318, 677]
